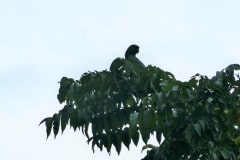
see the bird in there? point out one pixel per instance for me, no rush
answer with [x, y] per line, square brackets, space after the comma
[132, 50]
[130, 55]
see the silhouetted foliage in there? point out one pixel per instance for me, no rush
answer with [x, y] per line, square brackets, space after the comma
[195, 119]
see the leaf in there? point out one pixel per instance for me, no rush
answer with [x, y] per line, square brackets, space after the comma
[70, 92]
[132, 131]
[85, 129]
[109, 143]
[94, 142]
[130, 102]
[237, 140]
[215, 157]
[119, 142]
[226, 154]
[209, 100]
[56, 123]
[65, 115]
[159, 135]
[44, 120]
[133, 119]
[125, 138]
[149, 120]
[74, 119]
[147, 124]
[116, 139]
[84, 116]
[64, 119]
[107, 123]
[175, 88]
[135, 138]
[114, 119]
[48, 123]
[197, 128]
[202, 123]
[189, 133]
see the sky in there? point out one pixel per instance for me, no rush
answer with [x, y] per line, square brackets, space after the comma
[42, 41]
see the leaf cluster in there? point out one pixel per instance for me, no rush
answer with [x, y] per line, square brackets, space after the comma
[196, 119]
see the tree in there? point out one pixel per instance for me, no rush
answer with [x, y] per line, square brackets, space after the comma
[195, 119]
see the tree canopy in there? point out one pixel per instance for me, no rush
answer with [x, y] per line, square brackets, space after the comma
[195, 119]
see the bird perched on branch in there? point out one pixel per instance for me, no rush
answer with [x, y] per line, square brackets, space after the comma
[130, 55]
[131, 62]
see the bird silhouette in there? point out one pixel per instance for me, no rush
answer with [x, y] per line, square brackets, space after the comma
[130, 55]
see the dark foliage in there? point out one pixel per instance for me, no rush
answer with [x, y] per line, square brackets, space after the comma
[196, 119]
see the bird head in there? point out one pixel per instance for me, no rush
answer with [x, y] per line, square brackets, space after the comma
[132, 50]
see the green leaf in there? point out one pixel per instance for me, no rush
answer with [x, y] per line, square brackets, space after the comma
[146, 124]
[226, 154]
[215, 157]
[56, 123]
[132, 131]
[114, 119]
[48, 123]
[94, 142]
[109, 143]
[70, 92]
[202, 123]
[74, 119]
[135, 138]
[130, 102]
[44, 120]
[63, 124]
[84, 116]
[159, 135]
[85, 129]
[175, 88]
[209, 100]
[119, 142]
[133, 119]
[197, 128]
[237, 140]
[189, 133]
[125, 138]
[65, 115]
[97, 125]
[107, 123]
[116, 139]
[149, 120]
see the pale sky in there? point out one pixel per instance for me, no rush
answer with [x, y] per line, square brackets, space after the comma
[41, 41]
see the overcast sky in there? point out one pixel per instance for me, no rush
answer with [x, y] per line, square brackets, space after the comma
[44, 40]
